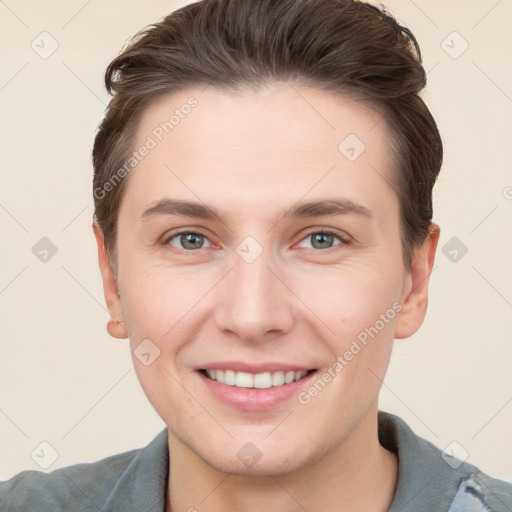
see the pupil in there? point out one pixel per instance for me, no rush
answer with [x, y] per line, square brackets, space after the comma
[189, 240]
[322, 238]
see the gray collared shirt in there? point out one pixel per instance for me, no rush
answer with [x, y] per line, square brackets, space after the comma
[136, 481]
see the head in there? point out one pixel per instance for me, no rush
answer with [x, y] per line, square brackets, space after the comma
[251, 109]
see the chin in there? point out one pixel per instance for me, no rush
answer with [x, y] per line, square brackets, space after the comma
[259, 469]
[249, 461]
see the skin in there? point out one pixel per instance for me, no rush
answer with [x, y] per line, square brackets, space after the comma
[251, 155]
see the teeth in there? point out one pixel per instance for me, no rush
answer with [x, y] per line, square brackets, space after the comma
[289, 377]
[259, 380]
[277, 378]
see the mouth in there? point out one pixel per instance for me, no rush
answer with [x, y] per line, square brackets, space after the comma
[263, 380]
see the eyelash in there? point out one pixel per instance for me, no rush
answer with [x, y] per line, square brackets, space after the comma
[323, 231]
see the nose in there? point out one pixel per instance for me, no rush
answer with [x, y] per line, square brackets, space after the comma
[254, 303]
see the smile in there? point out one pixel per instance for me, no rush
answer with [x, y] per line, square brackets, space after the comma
[263, 380]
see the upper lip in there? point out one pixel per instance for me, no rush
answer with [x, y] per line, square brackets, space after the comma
[240, 366]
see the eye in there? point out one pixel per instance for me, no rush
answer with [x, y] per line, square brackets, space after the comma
[191, 240]
[187, 240]
[324, 238]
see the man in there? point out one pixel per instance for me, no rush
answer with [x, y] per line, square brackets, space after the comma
[263, 213]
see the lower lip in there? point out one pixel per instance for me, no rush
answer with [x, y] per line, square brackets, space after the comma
[253, 399]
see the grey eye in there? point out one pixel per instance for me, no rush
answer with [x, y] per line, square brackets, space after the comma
[322, 240]
[188, 240]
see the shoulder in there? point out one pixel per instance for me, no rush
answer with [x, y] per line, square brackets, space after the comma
[480, 492]
[83, 487]
[130, 481]
[437, 480]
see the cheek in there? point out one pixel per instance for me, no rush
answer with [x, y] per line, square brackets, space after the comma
[360, 309]
[158, 307]
[158, 296]
[352, 300]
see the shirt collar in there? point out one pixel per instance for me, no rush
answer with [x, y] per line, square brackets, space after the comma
[143, 484]
[425, 480]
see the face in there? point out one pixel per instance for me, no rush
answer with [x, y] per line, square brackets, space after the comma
[260, 236]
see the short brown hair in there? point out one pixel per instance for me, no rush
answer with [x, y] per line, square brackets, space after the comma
[341, 46]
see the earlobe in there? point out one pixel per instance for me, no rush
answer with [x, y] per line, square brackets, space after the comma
[116, 328]
[415, 300]
[115, 325]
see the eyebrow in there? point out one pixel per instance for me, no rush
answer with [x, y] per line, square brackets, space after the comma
[302, 209]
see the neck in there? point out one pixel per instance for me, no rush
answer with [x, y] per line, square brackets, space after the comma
[359, 473]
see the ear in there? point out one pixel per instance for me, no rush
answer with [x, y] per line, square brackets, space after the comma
[415, 298]
[116, 325]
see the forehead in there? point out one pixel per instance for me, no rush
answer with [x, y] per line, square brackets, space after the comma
[271, 142]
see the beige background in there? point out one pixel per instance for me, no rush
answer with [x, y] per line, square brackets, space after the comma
[63, 380]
